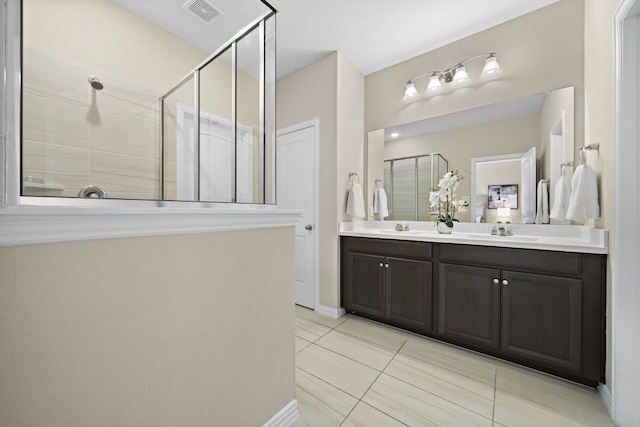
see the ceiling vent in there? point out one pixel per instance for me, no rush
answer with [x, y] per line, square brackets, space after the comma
[203, 10]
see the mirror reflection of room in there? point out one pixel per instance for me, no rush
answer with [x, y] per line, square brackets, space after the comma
[488, 145]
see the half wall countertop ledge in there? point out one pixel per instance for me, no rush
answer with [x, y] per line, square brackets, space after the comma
[26, 225]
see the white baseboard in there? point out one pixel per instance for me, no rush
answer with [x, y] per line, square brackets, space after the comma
[285, 417]
[334, 313]
[605, 395]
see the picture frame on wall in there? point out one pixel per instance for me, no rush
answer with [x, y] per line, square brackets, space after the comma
[503, 196]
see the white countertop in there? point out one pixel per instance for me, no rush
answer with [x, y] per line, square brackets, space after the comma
[564, 238]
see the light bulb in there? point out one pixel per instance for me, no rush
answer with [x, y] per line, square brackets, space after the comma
[491, 69]
[434, 86]
[410, 92]
[460, 77]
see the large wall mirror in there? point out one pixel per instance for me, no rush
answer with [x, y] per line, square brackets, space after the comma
[505, 147]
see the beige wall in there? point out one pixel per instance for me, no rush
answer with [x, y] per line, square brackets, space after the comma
[461, 145]
[154, 331]
[598, 77]
[332, 90]
[540, 51]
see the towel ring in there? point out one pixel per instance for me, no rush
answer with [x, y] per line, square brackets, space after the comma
[563, 166]
[582, 152]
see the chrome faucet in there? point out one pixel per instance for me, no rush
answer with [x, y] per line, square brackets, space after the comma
[501, 230]
[402, 227]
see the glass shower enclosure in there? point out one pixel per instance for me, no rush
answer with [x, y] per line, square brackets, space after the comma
[105, 119]
[408, 181]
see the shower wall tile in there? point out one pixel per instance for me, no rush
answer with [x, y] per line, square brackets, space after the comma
[170, 180]
[126, 174]
[54, 121]
[123, 135]
[57, 164]
[55, 78]
[127, 100]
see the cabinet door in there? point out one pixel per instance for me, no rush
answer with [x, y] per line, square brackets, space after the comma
[409, 289]
[542, 319]
[469, 305]
[365, 285]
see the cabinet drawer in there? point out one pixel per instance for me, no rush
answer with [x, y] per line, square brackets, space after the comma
[524, 259]
[399, 248]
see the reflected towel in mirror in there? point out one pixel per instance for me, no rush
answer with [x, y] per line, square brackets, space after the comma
[562, 196]
[380, 205]
[542, 214]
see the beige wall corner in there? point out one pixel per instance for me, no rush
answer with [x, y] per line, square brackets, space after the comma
[153, 331]
[331, 89]
[598, 97]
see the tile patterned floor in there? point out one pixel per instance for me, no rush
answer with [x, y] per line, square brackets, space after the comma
[353, 372]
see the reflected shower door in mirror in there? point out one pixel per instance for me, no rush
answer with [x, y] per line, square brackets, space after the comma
[546, 121]
[109, 113]
[408, 182]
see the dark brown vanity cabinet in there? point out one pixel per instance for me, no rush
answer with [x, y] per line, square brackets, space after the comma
[389, 281]
[543, 309]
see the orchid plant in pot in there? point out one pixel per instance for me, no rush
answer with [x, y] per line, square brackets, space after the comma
[446, 201]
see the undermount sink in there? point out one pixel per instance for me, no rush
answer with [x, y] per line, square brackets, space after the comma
[506, 238]
[412, 232]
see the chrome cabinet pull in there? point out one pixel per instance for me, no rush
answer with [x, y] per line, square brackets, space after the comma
[496, 281]
[505, 282]
[381, 265]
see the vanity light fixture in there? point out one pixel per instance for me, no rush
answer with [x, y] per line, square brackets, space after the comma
[454, 77]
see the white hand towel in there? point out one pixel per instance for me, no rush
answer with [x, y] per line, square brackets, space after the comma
[542, 214]
[561, 200]
[380, 206]
[583, 203]
[355, 201]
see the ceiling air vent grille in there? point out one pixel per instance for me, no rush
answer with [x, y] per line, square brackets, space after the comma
[205, 11]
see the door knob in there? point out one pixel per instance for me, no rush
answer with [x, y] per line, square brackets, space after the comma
[505, 282]
[308, 227]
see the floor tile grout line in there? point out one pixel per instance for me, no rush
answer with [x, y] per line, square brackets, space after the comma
[346, 357]
[327, 382]
[371, 385]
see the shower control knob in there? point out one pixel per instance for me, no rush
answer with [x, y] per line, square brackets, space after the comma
[308, 227]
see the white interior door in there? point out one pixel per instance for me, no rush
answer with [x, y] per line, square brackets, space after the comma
[295, 177]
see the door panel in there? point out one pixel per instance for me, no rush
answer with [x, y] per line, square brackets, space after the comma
[365, 289]
[296, 190]
[542, 319]
[409, 290]
[469, 305]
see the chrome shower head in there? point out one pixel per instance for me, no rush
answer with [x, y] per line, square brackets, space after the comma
[95, 83]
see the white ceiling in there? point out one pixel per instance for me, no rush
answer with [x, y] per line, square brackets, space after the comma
[372, 34]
